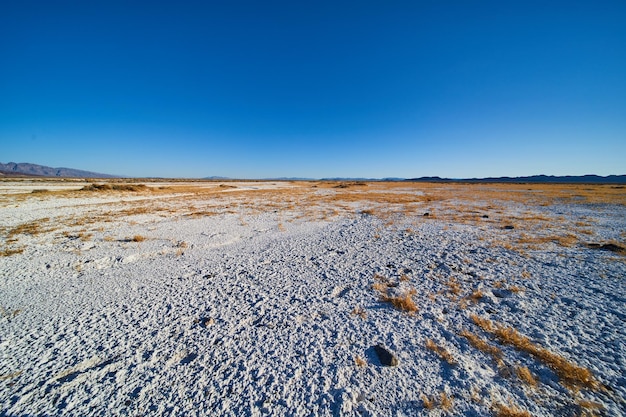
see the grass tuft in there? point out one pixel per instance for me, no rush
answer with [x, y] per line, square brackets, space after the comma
[360, 362]
[524, 374]
[445, 402]
[10, 252]
[359, 311]
[441, 352]
[511, 410]
[572, 376]
[484, 347]
[403, 301]
[137, 238]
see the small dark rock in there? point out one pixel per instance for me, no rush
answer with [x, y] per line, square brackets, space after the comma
[207, 321]
[426, 214]
[508, 227]
[485, 216]
[385, 357]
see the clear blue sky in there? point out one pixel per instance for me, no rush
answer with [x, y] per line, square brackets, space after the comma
[315, 89]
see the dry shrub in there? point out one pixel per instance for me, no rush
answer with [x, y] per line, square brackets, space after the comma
[404, 278]
[403, 301]
[380, 287]
[138, 238]
[571, 375]
[524, 374]
[429, 403]
[475, 296]
[499, 284]
[359, 311]
[515, 289]
[440, 351]
[445, 402]
[510, 410]
[114, 187]
[454, 286]
[485, 347]
[360, 362]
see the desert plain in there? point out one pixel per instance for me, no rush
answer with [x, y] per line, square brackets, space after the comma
[311, 298]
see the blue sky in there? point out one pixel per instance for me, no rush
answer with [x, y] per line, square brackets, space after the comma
[315, 89]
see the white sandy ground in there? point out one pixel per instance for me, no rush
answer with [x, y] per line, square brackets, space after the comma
[250, 313]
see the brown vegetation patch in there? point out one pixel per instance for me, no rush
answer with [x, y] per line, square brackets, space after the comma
[510, 410]
[484, 347]
[360, 362]
[441, 352]
[524, 374]
[403, 302]
[571, 375]
[11, 251]
[444, 402]
[359, 311]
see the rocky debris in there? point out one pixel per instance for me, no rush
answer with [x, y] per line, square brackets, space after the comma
[206, 321]
[385, 357]
[611, 247]
[508, 227]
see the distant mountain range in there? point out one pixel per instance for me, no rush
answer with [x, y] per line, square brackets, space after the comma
[33, 170]
[544, 179]
[22, 169]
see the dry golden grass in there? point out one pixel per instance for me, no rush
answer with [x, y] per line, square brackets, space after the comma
[359, 311]
[428, 403]
[510, 410]
[403, 302]
[475, 296]
[360, 362]
[572, 376]
[515, 289]
[524, 374]
[480, 344]
[567, 240]
[441, 352]
[11, 251]
[444, 402]
[381, 287]
[137, 238]
[29, 228]
[454, 286]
